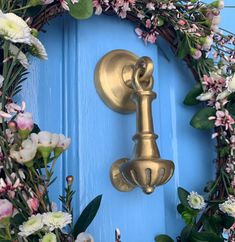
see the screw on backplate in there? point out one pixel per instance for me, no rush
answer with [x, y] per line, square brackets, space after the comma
[117, 235]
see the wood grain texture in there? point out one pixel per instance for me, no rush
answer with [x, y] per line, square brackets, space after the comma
[62, 96]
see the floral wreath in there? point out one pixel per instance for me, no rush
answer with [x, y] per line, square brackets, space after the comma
[28, 155]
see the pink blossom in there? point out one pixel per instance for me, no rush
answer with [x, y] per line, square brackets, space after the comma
[33, 204]
[97, 6]
[14, 108]
[197, 54]
[150, 6]
[45, 2]
[214, 83]
[25, 121]
[148, 23]
[182, 22]
[151, 38]
[9, 187]
[223, 119]
[6, 209]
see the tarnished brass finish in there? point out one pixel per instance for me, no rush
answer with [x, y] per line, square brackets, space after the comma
[145, 169]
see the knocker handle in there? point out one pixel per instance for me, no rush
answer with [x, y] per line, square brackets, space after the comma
[125, 82]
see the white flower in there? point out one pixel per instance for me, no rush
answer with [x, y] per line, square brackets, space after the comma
[196, 201]
[207, 43]
[38, 48]
[47, 139]
[84, 237]
[56, 220]
[1, 80]
[19, 55]
[223, 95]
[228, 207]
[49, 238]
[231, 84]
[26, 153]
[14, 28]
[34, 224]
[63, 142]
[205, 96]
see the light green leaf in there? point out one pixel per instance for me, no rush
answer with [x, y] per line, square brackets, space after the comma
[81, 10]
[163, 238]
[200, 119]
[190, 99]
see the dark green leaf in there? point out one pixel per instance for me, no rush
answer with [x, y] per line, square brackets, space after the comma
[180, 208]
[231, 97]
[183, 194]
[186, 232]
[200, 119]
[163, 238]
[17, 220]
[81, 10]
[228, 221]
[183, 48]
[36, 129]
[87, 216]
[190, 99]
[205, 237]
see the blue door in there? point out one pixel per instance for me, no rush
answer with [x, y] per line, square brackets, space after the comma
[63, 99]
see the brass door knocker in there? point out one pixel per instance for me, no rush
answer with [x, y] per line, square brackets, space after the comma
[125, 82]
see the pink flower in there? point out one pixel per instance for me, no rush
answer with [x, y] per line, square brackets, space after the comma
[148, 23]
[14, 108]
[33, 204]
[182, 22]
[25, 121]
[6, 209]
[151, 38]
[97, 6]
[223, 119]
[150, 6]
[8, 187]
[196, 54]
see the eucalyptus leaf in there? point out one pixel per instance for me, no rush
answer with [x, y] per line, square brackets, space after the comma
[200, 119]
[83, 9]
[190, 98]
[163, 238]
[87, 216]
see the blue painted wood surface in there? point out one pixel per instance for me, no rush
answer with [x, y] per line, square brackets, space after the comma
[62, 96]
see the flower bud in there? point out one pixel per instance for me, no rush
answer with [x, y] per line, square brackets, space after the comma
[25, 124]
[12, 125]
[69, 180]
[6, 209]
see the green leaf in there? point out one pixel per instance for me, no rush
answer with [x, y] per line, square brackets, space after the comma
[205, 237]
[190, 98]
[231, 97]
[36, 129]
[187, 217]
[180, 208]
[186, 232]
[163, 238]
[200, 119]
[183, 48]
[87, 216]
[81, 10]
[228, 221]
[183, 194]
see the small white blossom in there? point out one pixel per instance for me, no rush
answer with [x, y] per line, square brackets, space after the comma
[84, 237]
[196, 201]
[14, 28]
[56, 220]
[231, 84]
[34, 224]
[228, 207]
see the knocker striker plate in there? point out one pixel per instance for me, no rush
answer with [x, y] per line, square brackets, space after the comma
[112, 75]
